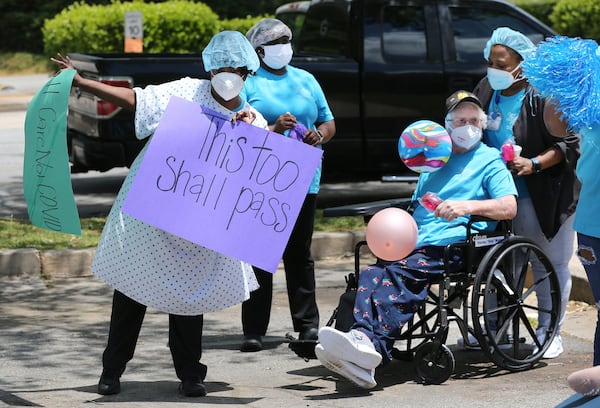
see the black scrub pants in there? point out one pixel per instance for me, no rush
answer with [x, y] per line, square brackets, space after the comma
[185, 339]
[300, 277]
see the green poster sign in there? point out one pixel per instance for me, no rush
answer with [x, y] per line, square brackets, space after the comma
[46, 172]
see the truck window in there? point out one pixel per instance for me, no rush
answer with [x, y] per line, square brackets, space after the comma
[403, 32]
[325, 30]
[292, 15]
[473, 27]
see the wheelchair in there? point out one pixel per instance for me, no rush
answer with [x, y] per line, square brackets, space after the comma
[492, 301]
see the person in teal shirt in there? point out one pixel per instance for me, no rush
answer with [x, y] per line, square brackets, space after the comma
[474, 181]
[567, 71]
[293, 103]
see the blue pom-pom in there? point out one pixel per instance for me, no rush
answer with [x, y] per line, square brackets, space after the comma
[567, 70]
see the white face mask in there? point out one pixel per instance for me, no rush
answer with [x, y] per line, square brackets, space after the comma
[277, 56]
[466, 136]
[227, 85]
[500, 79]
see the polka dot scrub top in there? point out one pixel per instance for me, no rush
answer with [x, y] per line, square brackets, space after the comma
[152, 266]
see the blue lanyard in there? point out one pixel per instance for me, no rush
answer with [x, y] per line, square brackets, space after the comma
[497, 101]
[496, 112]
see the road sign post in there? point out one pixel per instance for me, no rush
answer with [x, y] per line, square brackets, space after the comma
[134, 32]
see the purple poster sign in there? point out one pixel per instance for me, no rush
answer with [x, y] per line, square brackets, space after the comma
[234, 188]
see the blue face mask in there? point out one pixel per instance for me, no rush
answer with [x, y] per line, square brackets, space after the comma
[500, 79]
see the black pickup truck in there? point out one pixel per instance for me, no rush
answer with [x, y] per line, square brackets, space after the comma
[383, 64]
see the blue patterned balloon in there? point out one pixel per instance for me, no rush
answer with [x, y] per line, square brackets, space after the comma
[424, 146]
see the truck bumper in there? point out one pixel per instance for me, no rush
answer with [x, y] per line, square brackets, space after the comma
[86, 153]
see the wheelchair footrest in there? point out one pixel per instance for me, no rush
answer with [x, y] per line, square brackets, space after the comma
[403, 355]
[302, 348]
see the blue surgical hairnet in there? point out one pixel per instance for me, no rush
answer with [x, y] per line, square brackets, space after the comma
[267, 30]
[229, 49]
[512, 39]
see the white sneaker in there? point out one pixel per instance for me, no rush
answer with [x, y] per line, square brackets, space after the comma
[353, 346]
[362, 377]
[555, 349]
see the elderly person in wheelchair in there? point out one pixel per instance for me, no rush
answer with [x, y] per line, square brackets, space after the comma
[475, 181]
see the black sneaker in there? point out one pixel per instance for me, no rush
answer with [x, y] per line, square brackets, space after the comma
[192, 388]
[109, 384]
[251, 343]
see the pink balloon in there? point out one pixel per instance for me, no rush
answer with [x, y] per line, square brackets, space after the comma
[391, 234]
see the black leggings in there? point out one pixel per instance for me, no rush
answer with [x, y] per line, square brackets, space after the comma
[300, 277]
[185, 339]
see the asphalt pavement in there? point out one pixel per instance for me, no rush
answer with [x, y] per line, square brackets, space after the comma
[54, 324]
[53, 333]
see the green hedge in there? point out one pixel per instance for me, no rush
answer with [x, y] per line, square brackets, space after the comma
[22, 21]
[540, 9]
[577, 18]
[173, 26]
[242, 24]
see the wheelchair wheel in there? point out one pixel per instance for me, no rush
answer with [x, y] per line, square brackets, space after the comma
[434, 367]
[505, 311]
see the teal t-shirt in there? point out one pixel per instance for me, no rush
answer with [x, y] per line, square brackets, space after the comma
[509, 108]
[587, 220]
[297, 92]
[478, 174]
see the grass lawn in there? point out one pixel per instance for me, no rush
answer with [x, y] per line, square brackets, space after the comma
[16, 234]
[22, 63]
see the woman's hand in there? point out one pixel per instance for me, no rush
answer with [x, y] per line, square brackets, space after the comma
[284, 122]
[62, 62]
[245, 116]
[312, 137]
[521, 166]
[66, 63]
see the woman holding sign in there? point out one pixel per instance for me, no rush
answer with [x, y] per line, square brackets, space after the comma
[293, 103]
[151, 267]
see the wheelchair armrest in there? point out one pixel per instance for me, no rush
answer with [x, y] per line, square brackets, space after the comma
[504, 226]
[399, 179]
[366, 209]
[503, 229]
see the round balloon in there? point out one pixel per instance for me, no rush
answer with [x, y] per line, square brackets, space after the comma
[391, 234]
[424, 146]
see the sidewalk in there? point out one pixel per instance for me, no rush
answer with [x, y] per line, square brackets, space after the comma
[53, 333]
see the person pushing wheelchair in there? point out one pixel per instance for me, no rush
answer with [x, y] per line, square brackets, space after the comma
[474, 181]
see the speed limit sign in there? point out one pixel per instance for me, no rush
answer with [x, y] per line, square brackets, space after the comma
[134, 31]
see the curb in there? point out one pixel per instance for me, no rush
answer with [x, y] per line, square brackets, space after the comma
[60, 264]
[76, 263]
[50, 264]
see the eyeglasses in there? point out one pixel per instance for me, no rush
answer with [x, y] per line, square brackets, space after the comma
[457, 122]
